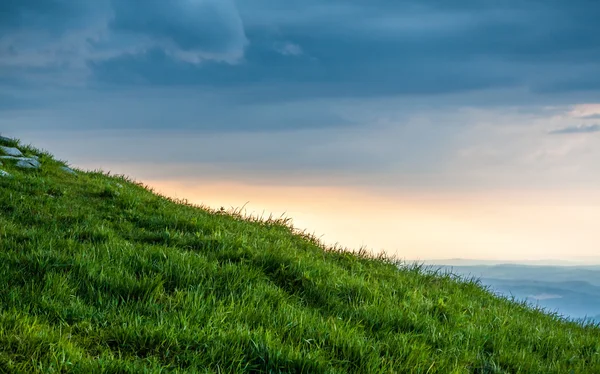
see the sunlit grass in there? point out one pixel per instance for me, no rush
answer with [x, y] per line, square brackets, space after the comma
[99, 274]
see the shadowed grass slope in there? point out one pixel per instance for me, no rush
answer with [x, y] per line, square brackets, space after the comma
[99, 274]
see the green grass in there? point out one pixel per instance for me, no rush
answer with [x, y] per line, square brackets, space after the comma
[99, 274]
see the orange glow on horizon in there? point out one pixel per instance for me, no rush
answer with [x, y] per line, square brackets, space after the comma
[419, 226]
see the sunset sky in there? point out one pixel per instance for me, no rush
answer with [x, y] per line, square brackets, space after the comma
[426, 128]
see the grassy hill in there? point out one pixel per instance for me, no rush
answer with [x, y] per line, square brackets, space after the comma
[99, 274]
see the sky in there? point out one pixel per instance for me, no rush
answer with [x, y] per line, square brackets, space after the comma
[427, 129]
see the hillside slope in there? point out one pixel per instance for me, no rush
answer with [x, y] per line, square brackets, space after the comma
[99, 274]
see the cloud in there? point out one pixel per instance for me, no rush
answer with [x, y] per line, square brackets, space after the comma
[268, 51]
[195, 29]
[55, 41]
[586, 80]
[289, 49]
[591, 116]
[581, 129]
[383, 145]
[43, 38]
[11, 102]
[177, 109]
[54, 16]
[328, 67]
[384, 49]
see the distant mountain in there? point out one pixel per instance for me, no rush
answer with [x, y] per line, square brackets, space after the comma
[586, 262]
[571, 291]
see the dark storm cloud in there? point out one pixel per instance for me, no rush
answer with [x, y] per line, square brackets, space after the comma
[10, 102]
[387, 48]
[210, 26]
[49, 15]
[64, 35]
[334, 74]
[267, 50]
[581, 129]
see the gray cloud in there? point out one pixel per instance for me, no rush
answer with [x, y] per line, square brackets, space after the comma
[591, 116]
[54, 16]
[371, 49]
[448, 149]
[256, 53]
[11, 102]
[159, 108]
[202, 27]
[581, 129]
[52, 41]
[388, 48]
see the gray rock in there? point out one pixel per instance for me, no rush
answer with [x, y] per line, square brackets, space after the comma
[4, 174]
[10, 151]
[28, 163]
[23, 162]
[68, 170]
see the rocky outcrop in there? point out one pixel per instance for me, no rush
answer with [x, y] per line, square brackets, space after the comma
[10, 151]
[14, 156]
[27, 163]
[67, 169]
[21, 161]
